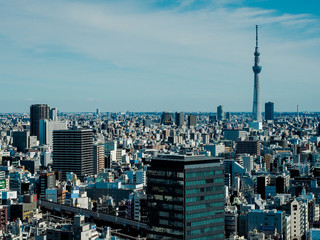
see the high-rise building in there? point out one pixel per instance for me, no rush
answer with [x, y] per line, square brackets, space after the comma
[231, 222]
[179, 118]
[228, 116]
[220, 113]
[21, 140]
[262, 182]
[47, 180]
[98, 158]
[73, 152]
[269, 111]
[192, 120]
[186, 197]
[256, 110]
[299, 219]
[53, 114]
[46, 130]
[166, 118]
[250, 147]
[37, 112]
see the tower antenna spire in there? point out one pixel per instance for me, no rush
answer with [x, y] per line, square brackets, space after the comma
[256, 35]
[256, 111]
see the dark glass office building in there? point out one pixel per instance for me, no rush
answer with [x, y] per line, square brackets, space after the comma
[37, 112]
[166, 118]
[186, 197]
[220, 113]
[179, 118]
[73, 152]
[269, 111]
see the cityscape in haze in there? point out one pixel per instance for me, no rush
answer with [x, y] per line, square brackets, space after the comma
[162, 119]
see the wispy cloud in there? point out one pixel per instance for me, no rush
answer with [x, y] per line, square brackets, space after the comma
[182, 51]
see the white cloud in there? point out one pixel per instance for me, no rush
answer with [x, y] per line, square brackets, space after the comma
[205, 52]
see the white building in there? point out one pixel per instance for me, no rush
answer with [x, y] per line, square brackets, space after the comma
[299, 219]
[46, 130]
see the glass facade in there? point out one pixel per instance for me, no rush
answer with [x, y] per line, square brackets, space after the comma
[186, 198]
[204, 203]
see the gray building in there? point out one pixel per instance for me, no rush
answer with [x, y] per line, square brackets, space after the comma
[220, 113]
[53, 114]
[186, 197]
[46, 130]
[98, 158]
[192, 120]
[73, 152]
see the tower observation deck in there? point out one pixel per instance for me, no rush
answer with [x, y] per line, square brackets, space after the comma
[256, 109]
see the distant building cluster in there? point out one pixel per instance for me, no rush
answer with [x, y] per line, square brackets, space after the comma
[159, 175]
[181, 175]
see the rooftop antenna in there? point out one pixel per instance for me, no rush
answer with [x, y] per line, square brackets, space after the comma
[256, 35]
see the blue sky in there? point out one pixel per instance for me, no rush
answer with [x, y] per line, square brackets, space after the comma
[154, 55]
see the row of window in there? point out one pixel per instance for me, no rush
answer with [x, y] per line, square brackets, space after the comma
[216, 196]
[165, 230]
[168, 198]
[204, 181]
[200, 198]
[197, 182]
[166, 222]
[204, 214]
[165, 173]
[220, 235]
[165, 189]
[174, 215]
[202, 206]
[204, 222]
[203, 238]
[172, 207]
[207, 189]
[203, 174]
[164, 181]
[204, 230]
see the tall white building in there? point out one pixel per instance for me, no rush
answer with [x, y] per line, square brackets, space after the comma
[46, 130]
[53, 114]
[299, 219]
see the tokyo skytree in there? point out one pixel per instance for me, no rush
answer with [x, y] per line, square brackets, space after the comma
[256, 110]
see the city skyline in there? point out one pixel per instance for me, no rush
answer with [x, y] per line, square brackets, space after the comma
[157, 56]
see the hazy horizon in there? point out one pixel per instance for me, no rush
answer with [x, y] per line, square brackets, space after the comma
[158, 55]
